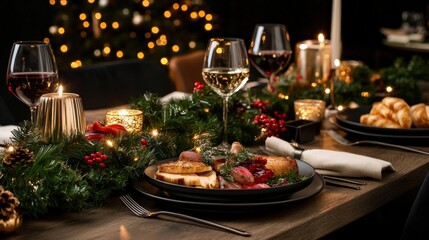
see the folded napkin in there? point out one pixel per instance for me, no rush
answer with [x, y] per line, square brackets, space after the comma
[333, 163]
[176, 95]
[6, 132]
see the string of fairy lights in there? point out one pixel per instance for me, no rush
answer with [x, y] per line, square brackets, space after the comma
[100, 30]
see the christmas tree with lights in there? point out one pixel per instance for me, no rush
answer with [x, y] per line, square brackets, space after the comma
[85, 32]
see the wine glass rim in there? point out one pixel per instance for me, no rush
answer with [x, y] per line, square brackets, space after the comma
[271, 24]
[33, 42]
[226, 39]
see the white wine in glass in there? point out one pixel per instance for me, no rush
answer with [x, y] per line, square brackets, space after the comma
[270, 51]
[32, 71]
[226, 70]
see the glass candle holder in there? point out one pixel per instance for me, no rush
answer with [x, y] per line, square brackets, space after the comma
[131, 119]
[310, 109]
[60, 114]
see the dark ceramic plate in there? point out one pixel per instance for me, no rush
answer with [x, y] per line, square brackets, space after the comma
[231, 195]
[143, 186]
[350, 119]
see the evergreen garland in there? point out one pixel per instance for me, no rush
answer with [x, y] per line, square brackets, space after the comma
[61, 180]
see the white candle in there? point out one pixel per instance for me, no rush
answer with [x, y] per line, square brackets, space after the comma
[335, 32]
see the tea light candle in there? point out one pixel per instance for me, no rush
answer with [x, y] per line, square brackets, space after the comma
[309, 109]
[60, 114]
[131, 119]
[313, 60]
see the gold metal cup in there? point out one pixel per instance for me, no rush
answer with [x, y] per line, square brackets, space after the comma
[60, 115]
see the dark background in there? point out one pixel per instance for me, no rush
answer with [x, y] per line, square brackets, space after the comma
[361, 23]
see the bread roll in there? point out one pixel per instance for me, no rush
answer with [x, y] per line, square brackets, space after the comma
[420, 115]
[378, 108]
[378, 121]
[401, 109]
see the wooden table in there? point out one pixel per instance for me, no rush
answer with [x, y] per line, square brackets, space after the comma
[311, 218]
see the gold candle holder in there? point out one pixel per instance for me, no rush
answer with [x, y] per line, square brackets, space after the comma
[60, 114]
[310, 109]
[131, 119]
[313, 60]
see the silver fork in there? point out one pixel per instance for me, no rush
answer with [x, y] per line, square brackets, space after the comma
[138, 210]
[340, 139]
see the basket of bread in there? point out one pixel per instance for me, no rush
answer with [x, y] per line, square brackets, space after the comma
[233, 174]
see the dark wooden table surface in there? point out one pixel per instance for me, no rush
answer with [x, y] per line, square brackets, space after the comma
[312, 218]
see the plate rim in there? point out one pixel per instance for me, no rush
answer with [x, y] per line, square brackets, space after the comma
[353, 125]
[317, 185]
[227, 194]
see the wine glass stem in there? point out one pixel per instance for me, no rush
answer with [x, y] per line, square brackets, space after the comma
[272, 83]
[33, 112]
[225, 119]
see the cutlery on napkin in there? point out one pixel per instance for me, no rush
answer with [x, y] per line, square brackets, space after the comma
[334, 163]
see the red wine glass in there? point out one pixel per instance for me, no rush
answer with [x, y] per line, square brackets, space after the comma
[270, 51]
[32, 71]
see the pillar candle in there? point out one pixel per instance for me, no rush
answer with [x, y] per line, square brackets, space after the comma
[335, 32]
[60, 114]
[313, 60]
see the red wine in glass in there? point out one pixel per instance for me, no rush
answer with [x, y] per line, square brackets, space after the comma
[270, 51]
[30, 86]
[32, 71]
[269, 62]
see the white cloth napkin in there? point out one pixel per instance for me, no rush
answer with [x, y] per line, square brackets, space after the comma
[333, 163]
[6, 133]
[174, 95]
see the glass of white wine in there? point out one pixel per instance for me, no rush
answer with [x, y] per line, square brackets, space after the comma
[226, 70]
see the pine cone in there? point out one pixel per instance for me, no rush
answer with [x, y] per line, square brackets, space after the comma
[19, 156]
[10, 219]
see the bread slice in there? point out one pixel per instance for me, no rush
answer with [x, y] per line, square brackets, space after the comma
[281, 165]
[206, 179]
[184, 167]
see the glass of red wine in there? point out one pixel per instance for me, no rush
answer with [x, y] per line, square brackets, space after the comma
[270, 51]
[32, 71]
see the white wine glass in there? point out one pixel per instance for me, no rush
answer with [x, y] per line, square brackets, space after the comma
[32, 71]
[270, 51]
[226, 70]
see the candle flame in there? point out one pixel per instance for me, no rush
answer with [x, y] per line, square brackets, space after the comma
[337, 62]
[123, 112]
[321, 38]
[60, 90]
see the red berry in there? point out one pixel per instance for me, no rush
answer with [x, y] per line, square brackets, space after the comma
[102, 165]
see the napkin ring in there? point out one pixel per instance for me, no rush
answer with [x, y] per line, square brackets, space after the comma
[297, 153]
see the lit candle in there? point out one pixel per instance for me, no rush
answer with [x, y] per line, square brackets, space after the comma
[131, 119]
[309, 109]
[60, 114]
[336, 32]
[313, 60]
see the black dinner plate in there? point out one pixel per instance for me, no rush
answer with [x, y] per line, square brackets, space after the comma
[149, 190]
[230, 195]
[349, 121]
